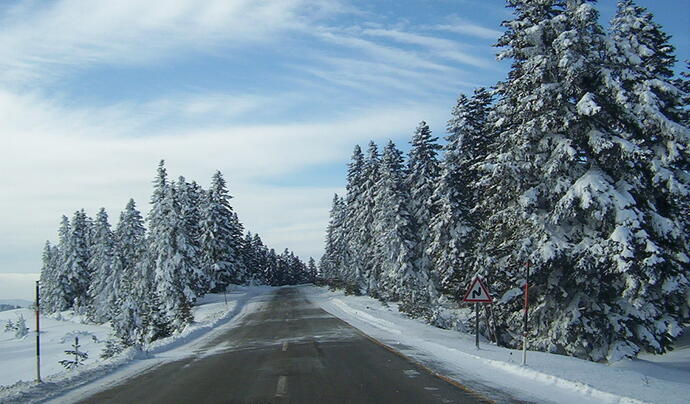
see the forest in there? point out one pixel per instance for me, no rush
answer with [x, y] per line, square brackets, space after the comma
[145, 279]
[575, 165]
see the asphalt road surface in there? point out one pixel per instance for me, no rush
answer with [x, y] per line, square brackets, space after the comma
[289, 352]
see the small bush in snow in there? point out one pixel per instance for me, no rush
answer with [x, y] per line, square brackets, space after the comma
[21, 330]
[78, 356]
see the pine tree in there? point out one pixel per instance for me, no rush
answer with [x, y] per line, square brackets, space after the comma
[455, 226]
[59, 297]
[362, 240]
[653, 257]
[423, 172]
[262, 272]
[351, 268]
[563, 193]
[50, 288]
[171, 258]
[187, 198]
[76, 258]
[332, 260]
[396, 276]
[219, 245]
[132, 306]
[312, 271]
[105, 282]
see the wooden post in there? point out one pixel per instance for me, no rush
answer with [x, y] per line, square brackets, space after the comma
[38, 335]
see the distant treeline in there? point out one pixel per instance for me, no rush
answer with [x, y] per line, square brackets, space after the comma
[145, 280]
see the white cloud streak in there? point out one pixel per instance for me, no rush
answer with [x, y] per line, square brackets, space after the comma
[40, 39]
[462, 26]
[57, 160]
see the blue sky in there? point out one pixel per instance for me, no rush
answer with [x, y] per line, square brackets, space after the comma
[274, 93]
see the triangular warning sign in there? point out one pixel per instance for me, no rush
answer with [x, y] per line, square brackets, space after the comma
[477, 293]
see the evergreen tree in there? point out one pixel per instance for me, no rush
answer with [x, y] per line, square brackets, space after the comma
[220, 255]
[351, 269]
[653, 257]
[261, 251]
[60, 292]
[171, 258]
[362, 240]
[332, 260]
[187, 198]
[106, 281]
[423, 172]
[396, 275]
[312, 271]
[76, 258]
[563, 193]
[455, 226]
[129, 312]
[51, 292]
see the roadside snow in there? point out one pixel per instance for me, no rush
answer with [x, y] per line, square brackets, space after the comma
[490, 370]
[17, 356]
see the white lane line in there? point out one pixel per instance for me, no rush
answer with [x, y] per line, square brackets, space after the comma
[285, 345]
[281, 388]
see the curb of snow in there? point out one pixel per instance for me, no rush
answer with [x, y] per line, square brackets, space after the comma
[66, 381]
[517, 370]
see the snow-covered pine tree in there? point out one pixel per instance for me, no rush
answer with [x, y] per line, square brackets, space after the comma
[219, 248]
[561, 193]
[332, 261]
[156, 317]
[262, 271]
[272, 270]
[76, 258]
[59, 297]
[351, 268]
[312, 270]
[249, 259]
[132, 306]
[171, 259]
[397, 278]
[105, 281]
[454, 227]
[238, 242]
[363, 241]
[423, 172]
[51, 292]
[187, 197]
[656, 283]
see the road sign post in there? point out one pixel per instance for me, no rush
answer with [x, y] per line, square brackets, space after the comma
[38, 335]
[524, 331]
[477, 293]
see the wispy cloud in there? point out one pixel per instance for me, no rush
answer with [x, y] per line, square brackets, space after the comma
[59, 159]
[462, 26]
[39, 39]
[444, 48]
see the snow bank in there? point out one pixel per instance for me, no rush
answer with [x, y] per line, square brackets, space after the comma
[17, 366]
[491, 370]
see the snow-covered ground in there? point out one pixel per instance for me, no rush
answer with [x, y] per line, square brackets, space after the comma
[17, 356]
[490, 370]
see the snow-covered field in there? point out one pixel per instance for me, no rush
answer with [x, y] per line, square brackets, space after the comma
[546, 378]
[17, 360]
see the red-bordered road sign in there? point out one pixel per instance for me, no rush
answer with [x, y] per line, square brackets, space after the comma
[477, 293]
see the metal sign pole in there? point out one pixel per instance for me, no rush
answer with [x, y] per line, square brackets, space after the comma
[524, 332]
[38, 336]
[476, 324]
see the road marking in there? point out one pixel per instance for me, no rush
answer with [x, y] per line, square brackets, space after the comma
[281, 388]
[285, 344]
